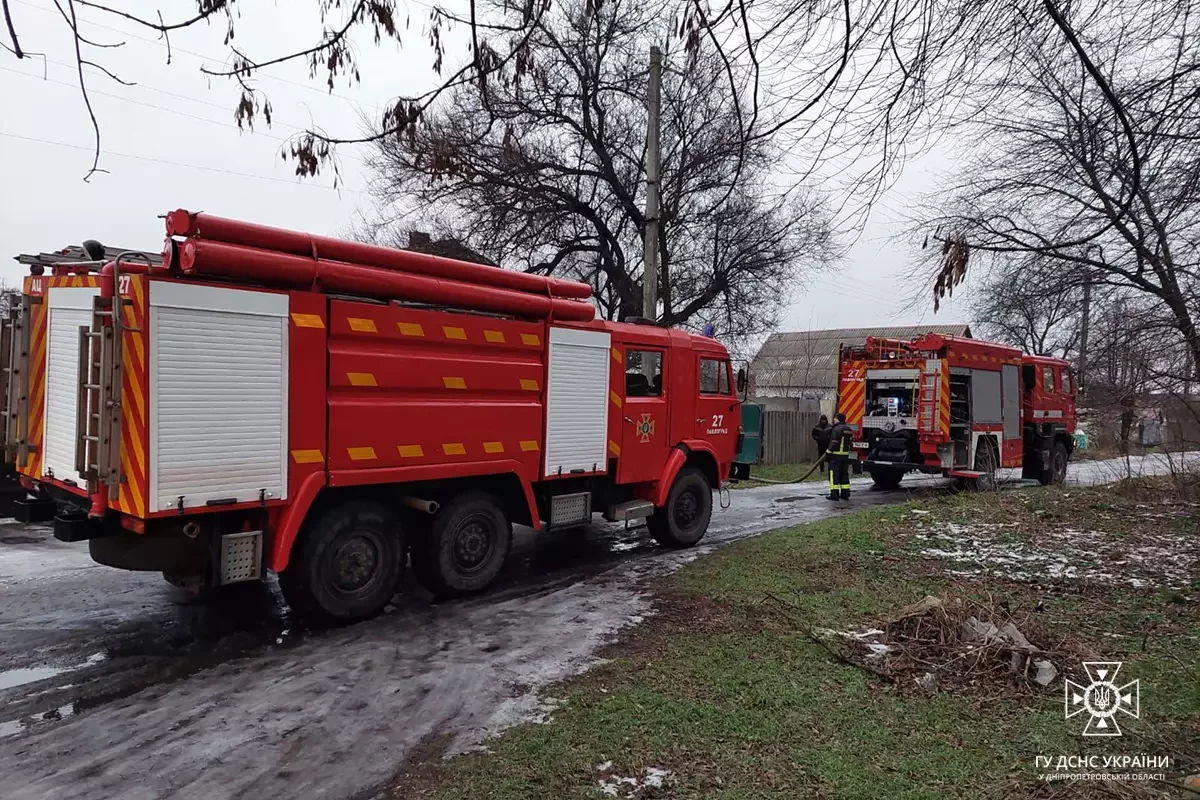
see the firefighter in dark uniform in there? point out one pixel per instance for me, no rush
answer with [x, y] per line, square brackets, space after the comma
[841, 437]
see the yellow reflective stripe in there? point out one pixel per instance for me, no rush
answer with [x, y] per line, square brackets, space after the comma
[307, 321]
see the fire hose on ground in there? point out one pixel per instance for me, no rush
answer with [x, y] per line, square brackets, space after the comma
[824, 457]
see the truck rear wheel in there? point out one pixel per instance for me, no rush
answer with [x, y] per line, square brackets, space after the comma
[465, 547]
[347, 565]
[887, 478]
[1057, 472]
[684, 519]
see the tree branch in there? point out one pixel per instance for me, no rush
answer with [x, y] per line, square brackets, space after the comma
[12, 31]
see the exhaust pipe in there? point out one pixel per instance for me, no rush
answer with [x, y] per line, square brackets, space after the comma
[428, 506]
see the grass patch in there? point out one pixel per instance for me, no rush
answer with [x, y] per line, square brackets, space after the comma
[727, 691]
[781, 473]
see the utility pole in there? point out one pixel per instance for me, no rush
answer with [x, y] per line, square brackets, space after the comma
[650, 246]
[1083, 333]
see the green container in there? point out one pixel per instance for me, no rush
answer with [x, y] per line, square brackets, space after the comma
[751, 445]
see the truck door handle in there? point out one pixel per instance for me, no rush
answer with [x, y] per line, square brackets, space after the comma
[627, 419]
[701, 420]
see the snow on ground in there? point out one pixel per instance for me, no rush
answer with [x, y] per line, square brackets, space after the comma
[1155, 556]
[622, 786]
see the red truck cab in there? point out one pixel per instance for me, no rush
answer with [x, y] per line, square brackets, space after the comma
[1050, 417]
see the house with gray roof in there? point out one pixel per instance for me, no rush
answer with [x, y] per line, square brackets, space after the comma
[798, 370]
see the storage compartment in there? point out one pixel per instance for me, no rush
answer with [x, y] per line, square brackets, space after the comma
[218, 387]
[577, 402]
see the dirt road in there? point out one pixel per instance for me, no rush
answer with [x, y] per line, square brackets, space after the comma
[115, 684]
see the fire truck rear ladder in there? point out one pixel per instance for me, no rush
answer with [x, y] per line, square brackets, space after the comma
[14, 361]
[98, 412]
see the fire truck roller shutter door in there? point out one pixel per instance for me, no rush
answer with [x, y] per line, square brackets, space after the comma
[1011, 378]
[577, 401]
[218, 385]
[985, 397]
[70, 308]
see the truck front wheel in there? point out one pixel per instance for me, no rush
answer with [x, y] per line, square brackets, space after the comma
[347, 565]
[887, 477]
[684, 519]
[465, 547]
[1057, 473]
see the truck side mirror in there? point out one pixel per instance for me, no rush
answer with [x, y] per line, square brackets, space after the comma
[741, 380]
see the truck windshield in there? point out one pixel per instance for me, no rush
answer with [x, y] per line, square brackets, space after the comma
[891, 398]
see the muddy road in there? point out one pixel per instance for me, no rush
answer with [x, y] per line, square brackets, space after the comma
[115, 684]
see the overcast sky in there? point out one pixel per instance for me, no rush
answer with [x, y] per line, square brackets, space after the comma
[171, 141]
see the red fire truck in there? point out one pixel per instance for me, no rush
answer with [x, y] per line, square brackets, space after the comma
[265, 399]
[957, 407]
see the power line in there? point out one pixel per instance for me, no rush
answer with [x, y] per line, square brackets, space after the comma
[220, 106]
[140, 103]
[157, 42]
[167, 162]
[164, 109]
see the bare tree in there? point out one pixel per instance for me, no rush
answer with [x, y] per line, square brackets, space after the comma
[843, 86]
[1031, 303]
[543, 168]
[1089, 169]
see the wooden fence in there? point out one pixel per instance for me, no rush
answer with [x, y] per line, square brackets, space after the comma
[787, 437]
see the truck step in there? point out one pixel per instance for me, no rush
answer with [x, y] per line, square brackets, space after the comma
[630, 509]
[570, 510]
[966, 473]
[77, 526]
[34, 510]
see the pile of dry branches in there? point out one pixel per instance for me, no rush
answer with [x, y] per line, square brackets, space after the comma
[957, 645]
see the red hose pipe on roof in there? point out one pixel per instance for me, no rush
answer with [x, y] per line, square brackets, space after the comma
[204, 257]
[206, 226]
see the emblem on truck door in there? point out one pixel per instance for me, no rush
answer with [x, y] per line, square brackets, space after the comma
[645, 428]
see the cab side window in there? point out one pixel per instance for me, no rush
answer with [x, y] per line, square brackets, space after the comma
[714, 376]
[1064, 381]
[1047, 379]
[643, 373]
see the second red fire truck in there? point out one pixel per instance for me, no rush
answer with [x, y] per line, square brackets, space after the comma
[267, 400]
[957, 407]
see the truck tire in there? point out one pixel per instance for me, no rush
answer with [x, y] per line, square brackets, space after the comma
[987, 463]
[465, 546]
[347, 565]
[886, 478]
[684, 519]
[1057, 472]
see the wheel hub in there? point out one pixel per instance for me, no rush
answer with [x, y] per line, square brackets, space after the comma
[687, 507]
[472, 546]
[356, 563]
